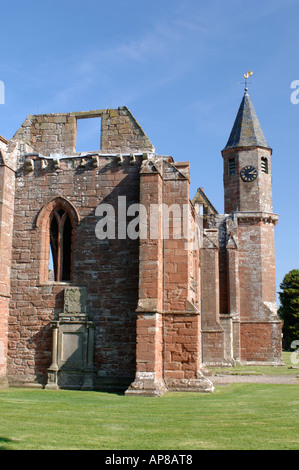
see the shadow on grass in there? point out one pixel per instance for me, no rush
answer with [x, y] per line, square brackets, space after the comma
[4, 440]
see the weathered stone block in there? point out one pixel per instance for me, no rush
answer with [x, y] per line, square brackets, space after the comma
[74, 300]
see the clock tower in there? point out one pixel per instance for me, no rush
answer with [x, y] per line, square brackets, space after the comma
[247, 164]
[251, 269]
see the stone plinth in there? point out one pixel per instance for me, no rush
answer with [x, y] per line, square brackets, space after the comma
[73, 345]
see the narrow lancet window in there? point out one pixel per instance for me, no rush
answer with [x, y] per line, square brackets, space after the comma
[61, 244]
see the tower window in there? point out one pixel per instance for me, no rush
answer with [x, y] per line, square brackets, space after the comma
[264, 165]
[232, 166]
[61, 244]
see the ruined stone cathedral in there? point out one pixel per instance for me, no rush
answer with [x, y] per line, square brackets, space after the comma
[129, 307]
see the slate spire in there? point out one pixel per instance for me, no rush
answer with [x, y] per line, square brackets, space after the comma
[246, 131]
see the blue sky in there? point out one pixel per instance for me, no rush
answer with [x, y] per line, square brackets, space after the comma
[177, 65]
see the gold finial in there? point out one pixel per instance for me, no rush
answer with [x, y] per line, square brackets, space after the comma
[246, 76]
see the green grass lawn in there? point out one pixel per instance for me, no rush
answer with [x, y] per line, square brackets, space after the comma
[288, 369]
[238, 416]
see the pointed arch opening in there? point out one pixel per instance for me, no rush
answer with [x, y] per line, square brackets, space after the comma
[57, 222]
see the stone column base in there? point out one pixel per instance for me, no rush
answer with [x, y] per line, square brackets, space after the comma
[200, 384]
[146, 384]
[52, 379]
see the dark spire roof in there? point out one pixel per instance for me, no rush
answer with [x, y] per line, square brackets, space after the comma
[246, 131]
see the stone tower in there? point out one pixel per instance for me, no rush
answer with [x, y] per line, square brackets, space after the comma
[248, 198]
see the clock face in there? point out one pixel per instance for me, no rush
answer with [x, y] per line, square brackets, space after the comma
[248, 173]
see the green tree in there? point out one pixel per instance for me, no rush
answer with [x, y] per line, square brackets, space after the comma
[289, 309]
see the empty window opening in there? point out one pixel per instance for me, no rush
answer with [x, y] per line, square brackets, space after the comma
[88, 135]
[51, 275]
[264, 165]
[67, 237]
[232, 166]
[54, 244]
[60, 256]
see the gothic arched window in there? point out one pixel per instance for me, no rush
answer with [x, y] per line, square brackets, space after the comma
[56, 222]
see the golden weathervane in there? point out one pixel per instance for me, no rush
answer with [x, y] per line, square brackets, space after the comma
[246, 76]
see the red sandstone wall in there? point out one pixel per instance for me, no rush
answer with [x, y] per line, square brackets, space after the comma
[4, 306]
[108, 268]
[178, 256]
[260, 342]
[7, 187]
[256, 268]
[260, 330]
[182, 346]
[168, 325]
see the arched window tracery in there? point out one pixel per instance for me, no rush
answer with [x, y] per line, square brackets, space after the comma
[57, 221]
